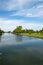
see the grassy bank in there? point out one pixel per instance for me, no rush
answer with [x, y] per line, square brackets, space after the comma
[28, 32]
[37, 35]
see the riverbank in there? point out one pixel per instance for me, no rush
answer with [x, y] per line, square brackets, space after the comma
[37, 35]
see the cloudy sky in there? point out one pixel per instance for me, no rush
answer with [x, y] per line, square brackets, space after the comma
[28, 13]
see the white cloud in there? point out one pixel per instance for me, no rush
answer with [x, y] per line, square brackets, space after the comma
[40, 6]
[22, 13]
[12, 5]
[29, 15]
[19, 13]
[33, 12]
[7, 25]
[34, 26]
[25, 7]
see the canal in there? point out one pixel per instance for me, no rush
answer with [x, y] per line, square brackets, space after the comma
[20, 50]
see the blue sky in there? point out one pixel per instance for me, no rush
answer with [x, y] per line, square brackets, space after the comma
[28, 13]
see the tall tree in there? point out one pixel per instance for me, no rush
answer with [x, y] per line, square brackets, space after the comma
[18, 29]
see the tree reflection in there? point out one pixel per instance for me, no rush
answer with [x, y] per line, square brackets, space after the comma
[19, 38]
[0, 37]
[30, 38]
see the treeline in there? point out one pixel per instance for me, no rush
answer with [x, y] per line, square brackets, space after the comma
[19, 29]
[1, 31]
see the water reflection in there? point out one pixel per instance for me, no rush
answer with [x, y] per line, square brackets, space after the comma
[26, 53]
[0, 37]
[30, 38]
[19, 38]
[18, 55]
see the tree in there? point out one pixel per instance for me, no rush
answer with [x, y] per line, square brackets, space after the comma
[37, 31]
[1, 31]
[31, 31]
[18, 29]
[41, 31]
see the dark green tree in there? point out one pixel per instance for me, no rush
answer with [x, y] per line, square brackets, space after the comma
[41, 31]
[31, 31]
[1, 31]
[18, 29]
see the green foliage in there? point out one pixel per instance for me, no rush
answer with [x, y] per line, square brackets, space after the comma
[18, 29]
[30, 31]
[41, 31]
[37, 31]
[1, 31]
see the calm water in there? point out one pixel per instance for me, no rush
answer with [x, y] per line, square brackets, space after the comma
[20, 50]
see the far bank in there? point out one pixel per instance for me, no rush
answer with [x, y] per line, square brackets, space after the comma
[37, 35]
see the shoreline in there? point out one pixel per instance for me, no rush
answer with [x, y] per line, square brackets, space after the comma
[36, 35]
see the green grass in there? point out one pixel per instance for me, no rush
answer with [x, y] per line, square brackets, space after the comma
[37, 35]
